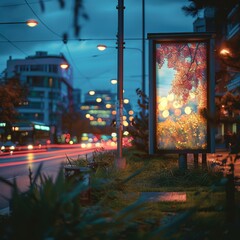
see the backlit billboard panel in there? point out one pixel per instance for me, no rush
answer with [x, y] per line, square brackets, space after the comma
[180, 94]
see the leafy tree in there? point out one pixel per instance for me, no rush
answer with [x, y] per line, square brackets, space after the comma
[230, 58]
[221, 8]
[78, 14]
[227, 109]
[139, 125]
[189, 61]
[75, 123]
[231, 101]
[221, 11]
[12, 95]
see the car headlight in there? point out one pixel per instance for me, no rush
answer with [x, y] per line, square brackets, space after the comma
[12, 147]
[89, 145]
[83, 145]
[30, 147]
[98, 144]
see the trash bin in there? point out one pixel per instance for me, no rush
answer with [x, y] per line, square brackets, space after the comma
[76, 174]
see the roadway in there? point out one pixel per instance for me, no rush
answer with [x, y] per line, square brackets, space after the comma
[16, 166]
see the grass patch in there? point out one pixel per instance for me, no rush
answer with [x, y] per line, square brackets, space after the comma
[206, 197]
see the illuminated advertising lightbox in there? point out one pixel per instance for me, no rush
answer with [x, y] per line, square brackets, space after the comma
[179, 94]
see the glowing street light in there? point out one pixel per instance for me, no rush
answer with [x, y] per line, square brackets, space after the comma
[30, 23]
[91, 92]
[98, 100]
[64, 65]
[101, 47]
[113, 81]
[225, 52]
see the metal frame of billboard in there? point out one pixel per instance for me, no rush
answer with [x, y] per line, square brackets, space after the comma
[154, 39]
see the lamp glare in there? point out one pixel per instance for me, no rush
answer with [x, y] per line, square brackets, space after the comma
[64, 65]
[32, 23]
[101, 47]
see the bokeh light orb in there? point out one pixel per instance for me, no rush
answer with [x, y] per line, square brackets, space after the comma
[163, 102]
[91, 92]
[177, 112]
[170, 97]
[165, 113]
[177, 104]
[187, 110]
[192, 95]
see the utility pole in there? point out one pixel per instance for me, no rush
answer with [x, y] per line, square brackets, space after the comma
[120, 162]
[143, 47]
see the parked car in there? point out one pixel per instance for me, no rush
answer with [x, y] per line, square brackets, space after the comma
[8, 146]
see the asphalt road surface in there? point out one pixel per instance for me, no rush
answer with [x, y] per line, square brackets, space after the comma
[16, 167]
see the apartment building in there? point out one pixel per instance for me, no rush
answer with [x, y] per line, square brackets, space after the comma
[227, 77]
[50, 87]
[100, 108]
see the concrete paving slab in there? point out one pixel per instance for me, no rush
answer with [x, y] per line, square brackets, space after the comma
[163, 196]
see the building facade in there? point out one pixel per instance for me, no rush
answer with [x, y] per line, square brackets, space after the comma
[227, 77]
[50, 88]
[100, 108]
[206, 23]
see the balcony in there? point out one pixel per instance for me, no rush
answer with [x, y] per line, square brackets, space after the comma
[235, 83]
[234, 23]
[233, 31]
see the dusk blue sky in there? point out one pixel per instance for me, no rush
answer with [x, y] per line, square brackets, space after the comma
[92, 69]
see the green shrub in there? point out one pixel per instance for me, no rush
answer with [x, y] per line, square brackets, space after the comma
[52, 210]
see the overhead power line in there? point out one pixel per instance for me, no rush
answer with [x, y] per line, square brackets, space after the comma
[20, 4]
[74, 39]
[14, 45]
[71, 58]
[40, 20]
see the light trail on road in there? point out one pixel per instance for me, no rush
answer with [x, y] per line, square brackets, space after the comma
[42, 159]
[16, 167]
[35, 157]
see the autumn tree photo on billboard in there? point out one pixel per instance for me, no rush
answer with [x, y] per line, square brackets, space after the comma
[181, 80]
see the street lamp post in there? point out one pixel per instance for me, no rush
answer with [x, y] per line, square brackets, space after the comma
[120, 162]
[143, 56]
[143, 47]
